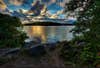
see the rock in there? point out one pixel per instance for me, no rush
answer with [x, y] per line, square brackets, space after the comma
[37, 50]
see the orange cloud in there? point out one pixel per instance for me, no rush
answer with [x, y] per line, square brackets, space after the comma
[16, 2]
[2, 5]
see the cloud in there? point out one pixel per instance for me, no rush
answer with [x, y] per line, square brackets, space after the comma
[52, 7]
[16, 2]
[2, 5]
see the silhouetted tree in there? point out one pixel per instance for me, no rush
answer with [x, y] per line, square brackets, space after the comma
[10, 31]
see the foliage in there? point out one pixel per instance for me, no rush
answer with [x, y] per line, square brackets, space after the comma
[85, 47]
[10, 32]
[90, 30]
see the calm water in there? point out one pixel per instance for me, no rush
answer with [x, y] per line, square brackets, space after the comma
[49, 33]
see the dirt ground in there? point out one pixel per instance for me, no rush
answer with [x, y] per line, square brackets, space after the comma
[50, 60]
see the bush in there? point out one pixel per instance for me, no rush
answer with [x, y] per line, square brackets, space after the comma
[10, 32]
[84, 49]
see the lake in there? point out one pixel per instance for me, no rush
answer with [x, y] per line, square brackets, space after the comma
[49, 33]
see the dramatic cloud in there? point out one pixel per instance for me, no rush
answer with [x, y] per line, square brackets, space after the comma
[53, 8]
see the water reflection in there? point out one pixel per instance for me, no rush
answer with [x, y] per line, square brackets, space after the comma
[49, 33]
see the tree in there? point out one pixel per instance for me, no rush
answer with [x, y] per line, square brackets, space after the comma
[10, 32]
[86, 37]
[77, 6]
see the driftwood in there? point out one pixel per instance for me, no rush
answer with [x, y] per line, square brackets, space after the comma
[8, 51]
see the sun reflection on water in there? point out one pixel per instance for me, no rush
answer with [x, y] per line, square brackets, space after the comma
[45, 33]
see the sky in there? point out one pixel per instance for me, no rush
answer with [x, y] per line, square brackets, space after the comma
[34, 8]
[15, 5]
